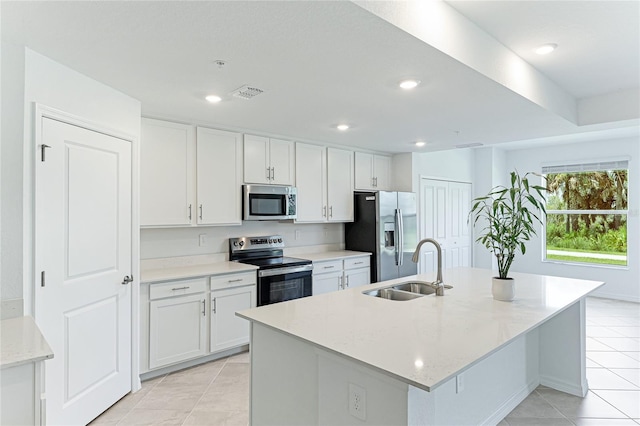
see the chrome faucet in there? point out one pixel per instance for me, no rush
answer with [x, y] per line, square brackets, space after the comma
[437, 284]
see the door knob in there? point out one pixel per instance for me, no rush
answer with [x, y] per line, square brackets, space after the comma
[127, 279]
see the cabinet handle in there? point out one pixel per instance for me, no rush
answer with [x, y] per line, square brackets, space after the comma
[358, 263]
[215, 305]
[179, 288]
[189, 211]
[204, 308]
[331, 211]
[340, 286]
[324, 211]
[235, 281]
[273, 173]
[329, 267]
[346, 282]
[200, 211]
[268, 173]
[373, 182]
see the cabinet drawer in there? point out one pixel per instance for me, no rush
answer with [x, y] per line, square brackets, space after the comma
[356, 262]
[177, 288]
[233, 280]
[328, 266]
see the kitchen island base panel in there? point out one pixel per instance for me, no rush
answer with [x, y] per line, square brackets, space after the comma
[296, 382]
[563, 351]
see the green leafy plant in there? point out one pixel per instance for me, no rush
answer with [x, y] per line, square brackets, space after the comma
[509, 215]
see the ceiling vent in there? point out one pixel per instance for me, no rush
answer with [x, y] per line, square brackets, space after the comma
[246, 92]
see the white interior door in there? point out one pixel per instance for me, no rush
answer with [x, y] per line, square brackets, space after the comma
[83, 252]
[444, 208]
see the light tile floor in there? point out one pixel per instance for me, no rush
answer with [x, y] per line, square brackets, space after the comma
[217, 393]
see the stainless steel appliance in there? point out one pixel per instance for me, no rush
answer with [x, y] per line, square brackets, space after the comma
[280, 278]
[385, 225]
[269, 202]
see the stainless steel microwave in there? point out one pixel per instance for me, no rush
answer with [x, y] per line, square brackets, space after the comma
[269, 202]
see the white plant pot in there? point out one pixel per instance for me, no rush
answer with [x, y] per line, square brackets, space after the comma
[503, 289]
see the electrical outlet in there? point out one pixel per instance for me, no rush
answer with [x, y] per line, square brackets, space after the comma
[357, 402]
[459, 383]
[202, 240]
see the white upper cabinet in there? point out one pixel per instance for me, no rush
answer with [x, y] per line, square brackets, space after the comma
[187, 181]
[324, 178]
[167, 173]
[372, 172]
[219, 177]
[339, 185]
[268, 161]
[311, 181]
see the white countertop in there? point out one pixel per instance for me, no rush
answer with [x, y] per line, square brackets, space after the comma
[331, 255]
[424, 341]
[21, 342]
[190, 271]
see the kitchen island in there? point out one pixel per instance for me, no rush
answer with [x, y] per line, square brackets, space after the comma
[463, 358]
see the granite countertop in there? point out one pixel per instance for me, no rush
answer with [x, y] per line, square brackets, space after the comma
[191, 271]
[428, 340]
[331, 255]
[22, 342]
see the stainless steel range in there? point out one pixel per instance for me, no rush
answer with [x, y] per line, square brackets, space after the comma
[280, 278]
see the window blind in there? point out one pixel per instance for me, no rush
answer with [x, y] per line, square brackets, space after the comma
[587, 167]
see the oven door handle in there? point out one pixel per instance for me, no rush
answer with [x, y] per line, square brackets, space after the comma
[282, 271]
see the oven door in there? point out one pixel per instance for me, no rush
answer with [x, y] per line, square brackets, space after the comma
[278, 285]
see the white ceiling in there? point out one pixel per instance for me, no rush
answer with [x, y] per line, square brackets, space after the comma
[322, 63]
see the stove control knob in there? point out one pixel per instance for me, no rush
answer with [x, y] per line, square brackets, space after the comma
[279, 240]
[241, 243]
[235, 244]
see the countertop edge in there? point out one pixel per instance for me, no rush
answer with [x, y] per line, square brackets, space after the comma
[29, 347]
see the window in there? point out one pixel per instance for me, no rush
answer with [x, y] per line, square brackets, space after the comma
[587, 213]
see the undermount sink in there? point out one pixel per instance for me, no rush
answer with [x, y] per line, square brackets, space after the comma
[392, 294]
[407, 290]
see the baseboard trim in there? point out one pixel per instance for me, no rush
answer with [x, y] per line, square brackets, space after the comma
[510, 404]
[562, 386]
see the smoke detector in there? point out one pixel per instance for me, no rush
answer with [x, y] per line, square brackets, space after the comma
[246, 92]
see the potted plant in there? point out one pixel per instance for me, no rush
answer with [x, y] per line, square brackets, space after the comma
[508, 215]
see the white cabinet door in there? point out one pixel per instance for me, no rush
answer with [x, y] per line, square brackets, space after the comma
[228, 330]
[382, 172]
[167, 172]
[356, 277]
[256, 159]
[326, 283]
[219, 177]
[340, 185]
[281, 158]
[177, 329]
[364, 171]
[311, 176]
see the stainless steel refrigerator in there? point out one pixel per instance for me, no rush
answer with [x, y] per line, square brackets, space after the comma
[385, 225]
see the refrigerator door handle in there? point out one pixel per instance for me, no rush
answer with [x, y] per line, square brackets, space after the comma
[400, 246]
[396, 236]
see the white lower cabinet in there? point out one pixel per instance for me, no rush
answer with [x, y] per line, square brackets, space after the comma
[177, 329]
[192, 318]
[340, 274]
[228, 330]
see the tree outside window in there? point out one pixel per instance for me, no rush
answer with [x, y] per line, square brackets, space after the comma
[587, 213]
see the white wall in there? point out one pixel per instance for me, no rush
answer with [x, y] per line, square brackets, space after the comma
[172, 242]
[51, 84]
[11, 178]
[621, 283]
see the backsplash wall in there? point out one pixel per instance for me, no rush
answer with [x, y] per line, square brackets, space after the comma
[171, 242]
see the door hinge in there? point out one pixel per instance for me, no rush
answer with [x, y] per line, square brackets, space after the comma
[42, 148]
[42, 279]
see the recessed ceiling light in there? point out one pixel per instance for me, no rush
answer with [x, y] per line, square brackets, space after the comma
[213, 99]
[409, 84]
[420, 144]
[342, 127]
[546, 48]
